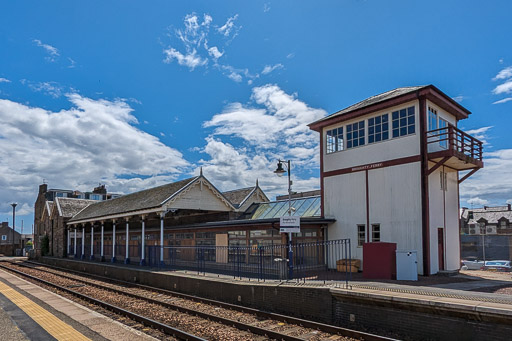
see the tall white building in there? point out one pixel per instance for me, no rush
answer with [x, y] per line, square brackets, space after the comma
[390, 172]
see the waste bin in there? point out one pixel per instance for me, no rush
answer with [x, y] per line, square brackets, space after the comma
[407, 265]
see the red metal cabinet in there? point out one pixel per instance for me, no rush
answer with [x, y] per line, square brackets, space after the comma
[379, 260]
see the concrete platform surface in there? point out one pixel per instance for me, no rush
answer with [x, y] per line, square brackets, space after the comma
[29, 312]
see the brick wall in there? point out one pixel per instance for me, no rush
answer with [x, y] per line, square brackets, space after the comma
[414, 325]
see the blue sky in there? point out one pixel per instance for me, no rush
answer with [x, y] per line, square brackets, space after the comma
[134, 94]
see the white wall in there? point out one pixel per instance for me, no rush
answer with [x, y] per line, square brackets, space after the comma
[381, 151]
[444, 214]
[345, 199]
[395, 204]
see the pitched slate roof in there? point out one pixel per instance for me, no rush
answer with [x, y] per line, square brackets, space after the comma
[491, 214]
[376, 99]
[68, 207]
[238, 196]
[145, 199]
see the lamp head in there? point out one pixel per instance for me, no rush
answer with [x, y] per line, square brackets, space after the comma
[279, 171]
[14, 205]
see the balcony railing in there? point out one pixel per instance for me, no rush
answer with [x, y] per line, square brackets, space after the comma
[456, 141]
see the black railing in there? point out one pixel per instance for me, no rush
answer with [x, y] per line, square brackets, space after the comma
[317, 261]
[454, 139]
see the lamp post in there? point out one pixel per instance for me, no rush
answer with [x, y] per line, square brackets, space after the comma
[13, 224]
[280, 171]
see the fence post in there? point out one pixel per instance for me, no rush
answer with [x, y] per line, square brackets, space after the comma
[260, 253]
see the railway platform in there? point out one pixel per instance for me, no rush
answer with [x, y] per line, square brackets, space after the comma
[29, 312]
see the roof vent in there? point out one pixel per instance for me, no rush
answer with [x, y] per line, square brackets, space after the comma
[486, 207]
[509, 207]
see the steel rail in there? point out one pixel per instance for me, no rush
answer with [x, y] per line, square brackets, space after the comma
[260, 313]
[141, 319]
[225, 321]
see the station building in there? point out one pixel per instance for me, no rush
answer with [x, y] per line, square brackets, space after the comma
[189, 212]
[389, 170]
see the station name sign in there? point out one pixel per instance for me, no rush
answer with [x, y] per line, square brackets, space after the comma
[288, 224]
[365, 167]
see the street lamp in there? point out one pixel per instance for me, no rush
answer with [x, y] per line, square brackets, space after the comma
[280, 171]
[13, 224]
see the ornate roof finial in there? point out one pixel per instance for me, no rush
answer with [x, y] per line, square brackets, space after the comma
[201, 171]
[256, 182]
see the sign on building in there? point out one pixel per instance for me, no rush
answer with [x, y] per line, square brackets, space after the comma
[289, 224]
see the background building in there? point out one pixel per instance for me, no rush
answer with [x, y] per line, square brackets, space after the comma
[486, 233]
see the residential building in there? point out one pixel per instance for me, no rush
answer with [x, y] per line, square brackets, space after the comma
[486, 233]
[389, 170]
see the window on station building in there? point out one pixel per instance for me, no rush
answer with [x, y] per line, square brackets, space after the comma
[334, 142]
[361, 234]
[443, 181]
[432, 119]
[443, 137]
[375, 232]
[355, 134]
[378, 128]
[4, 237]
[403, 122]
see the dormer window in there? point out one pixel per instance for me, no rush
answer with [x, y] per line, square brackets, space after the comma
[503, 224]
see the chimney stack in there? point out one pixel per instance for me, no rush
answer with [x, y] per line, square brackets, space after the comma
[43, 188]
[509, 207]
[486, 207]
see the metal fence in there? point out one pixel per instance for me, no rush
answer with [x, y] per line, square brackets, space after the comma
[321, 261]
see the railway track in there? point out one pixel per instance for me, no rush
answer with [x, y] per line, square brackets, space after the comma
[196, 317]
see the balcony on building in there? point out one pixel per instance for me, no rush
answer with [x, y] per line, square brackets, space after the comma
[451, 147]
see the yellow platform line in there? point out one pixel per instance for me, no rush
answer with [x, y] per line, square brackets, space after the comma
[49, 322]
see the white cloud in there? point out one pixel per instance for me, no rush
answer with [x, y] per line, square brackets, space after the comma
[504, 88]
[477, 201]
[53, 52]
[290, 55]
[266, 7]
[214, 52]
[229, 27]
[458, 98]
[504, 74]
[269, 68]
[492, 183]
[191, 60]
[52, 89]
[200, 46]
[229, 168]
[235, 76]
[273, 127]
[279, 121]
[72, 63]
[4, 80]
[94, 140]
[505, 100]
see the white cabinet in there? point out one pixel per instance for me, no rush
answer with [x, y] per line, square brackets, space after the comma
[406, 266]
